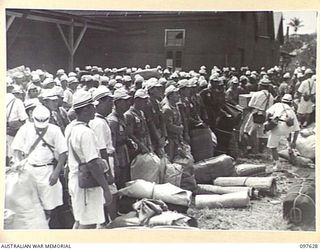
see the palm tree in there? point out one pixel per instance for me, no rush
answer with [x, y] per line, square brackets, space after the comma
[295, 23]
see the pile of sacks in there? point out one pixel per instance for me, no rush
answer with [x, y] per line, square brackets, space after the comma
[212, 183]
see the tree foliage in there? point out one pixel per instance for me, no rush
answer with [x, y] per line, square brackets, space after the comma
[295, 23]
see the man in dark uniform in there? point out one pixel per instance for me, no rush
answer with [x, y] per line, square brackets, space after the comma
[213, 99]
[173, 121]
[153, 114]
[184, 107]
[120, 137]
[136, 124]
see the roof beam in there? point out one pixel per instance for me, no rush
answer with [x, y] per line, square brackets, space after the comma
[24, 17]
[9, 22]
[59, 21]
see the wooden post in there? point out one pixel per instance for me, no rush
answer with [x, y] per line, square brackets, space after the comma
[69, 42]
[71, 46]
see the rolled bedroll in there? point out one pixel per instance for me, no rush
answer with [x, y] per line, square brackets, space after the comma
[265, 185]
[249, 169]
[232, 200]
[212, 189]
[165, 192]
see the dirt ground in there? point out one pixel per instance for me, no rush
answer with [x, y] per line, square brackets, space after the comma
[263, 213]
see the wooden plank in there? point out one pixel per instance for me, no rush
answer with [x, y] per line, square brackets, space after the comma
[83, 31]
[9, 22]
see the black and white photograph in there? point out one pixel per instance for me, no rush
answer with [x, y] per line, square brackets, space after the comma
[176, 120]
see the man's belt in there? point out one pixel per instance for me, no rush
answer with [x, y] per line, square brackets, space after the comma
[42, 165]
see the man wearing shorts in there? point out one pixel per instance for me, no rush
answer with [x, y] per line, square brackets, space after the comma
[87, 203]
[41, 155]
[283, 112]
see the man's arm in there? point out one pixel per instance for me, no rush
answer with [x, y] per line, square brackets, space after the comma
[57, 170]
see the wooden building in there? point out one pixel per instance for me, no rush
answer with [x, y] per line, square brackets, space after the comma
[53, 39]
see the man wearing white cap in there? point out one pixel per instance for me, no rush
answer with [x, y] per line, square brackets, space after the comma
[15, 116]
[287, 122]
[258, 104]
[136, 124]
[285, 87]
[103, 100]
[45, 148]
[57, 116]
[87, 203]
[118, 127]
[70, 90]
[306, 98]
[232, 93]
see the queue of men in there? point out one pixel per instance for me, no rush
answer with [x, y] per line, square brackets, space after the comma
[108, 117]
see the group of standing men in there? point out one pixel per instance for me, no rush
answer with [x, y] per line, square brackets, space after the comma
[107, 117]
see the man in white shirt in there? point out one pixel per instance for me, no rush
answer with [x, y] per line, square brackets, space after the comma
[306, 98]
[15, 115]
[287, 124]
[258, 104]
[87, 203]
[68, 93]
[42, 143]
[103, 100]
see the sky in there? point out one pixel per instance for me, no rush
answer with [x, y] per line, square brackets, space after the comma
[309, 20]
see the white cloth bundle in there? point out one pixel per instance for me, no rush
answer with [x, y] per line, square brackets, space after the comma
[165, 192]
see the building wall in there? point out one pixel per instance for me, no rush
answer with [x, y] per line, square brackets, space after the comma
[219, 41]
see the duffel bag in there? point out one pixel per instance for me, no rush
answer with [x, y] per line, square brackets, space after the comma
[299, 204]
[206, 171]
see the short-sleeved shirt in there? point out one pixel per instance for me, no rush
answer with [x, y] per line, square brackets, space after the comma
[307, 87]
[15, 109]
[68, 96]
[84, 143]
[27, 135]
[283, 111]
[259, 100]
[103, 133]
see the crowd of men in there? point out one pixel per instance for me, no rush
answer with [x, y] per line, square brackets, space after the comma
[58, 121]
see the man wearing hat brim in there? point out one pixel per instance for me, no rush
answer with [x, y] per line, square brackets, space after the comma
[260, 101]
[285, 87]
[69, 92]
[46, 159]
[121, 101]
[173, 121]
[243, 85]
[154, 117]
[286, 118]
[48, 83]
[103, 101]
[137, 125]
[212, 98]
[58, 115]
[30, 105]
[232, 93]
[15, 118]
[87, 204]
[307, 98]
